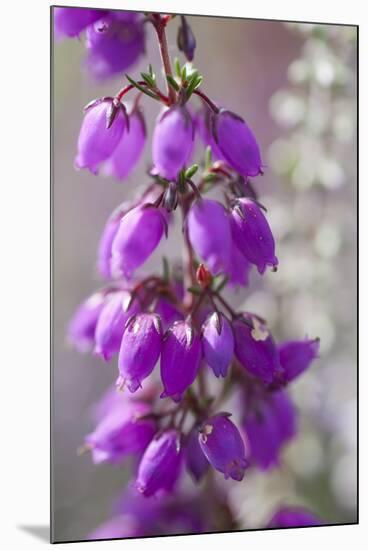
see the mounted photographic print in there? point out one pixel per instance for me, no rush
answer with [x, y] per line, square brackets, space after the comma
[204, 182]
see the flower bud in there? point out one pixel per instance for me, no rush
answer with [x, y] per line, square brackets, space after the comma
[111, 323]
[196, 461]
[180, 359]
[186, 39]
[256, 349]
[121, 432]
[140, 349]
[210, 234]
[129, 149]
[72, 21]
[223, 446]
[172, 141]
[253, 235]
[160, 466]
[218, 343]
[296, 357]
[96, 141]
[203, 276]
[114, 44]
[81, 329]
[294, 516]
[237, 143]
[139, 233]
[269, 424]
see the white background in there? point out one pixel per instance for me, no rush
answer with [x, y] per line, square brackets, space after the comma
[25, 272]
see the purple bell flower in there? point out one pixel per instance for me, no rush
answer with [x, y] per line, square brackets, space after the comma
[139, 233]
[294, 516]
[81, 329]
[96, 141]
[256, 349]
[218, 343]
[109, 232]
[129, 149]
[160, 466]
[172, 141]
[296, 357]
[111, 323]
[180, 359]
[209, 232]
[114, 44]
[269, 424]
[140, 349]
[221, 442]
[72, 21]
[196, 461]
[253, 235]
[121, 432]
[237, 143]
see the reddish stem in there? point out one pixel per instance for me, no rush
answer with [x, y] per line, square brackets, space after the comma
[159, 23]
[207, 100]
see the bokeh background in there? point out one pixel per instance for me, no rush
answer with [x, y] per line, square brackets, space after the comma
[295, 84]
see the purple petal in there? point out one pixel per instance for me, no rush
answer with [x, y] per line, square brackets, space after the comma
[172, 141]
[253, 235]
[237, 143]
[210, 234]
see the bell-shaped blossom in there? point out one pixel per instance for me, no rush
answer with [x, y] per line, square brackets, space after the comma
[129, 149]
[195, 459]
[97, 141]
[269, 423]
[114, 44]
[294, 516]
[252, 234]
[221, 442]
[71, 22]
[140, 349]
[82, 327]
[296, 357]
[172, 141]
[255, 349]
[122, 432]
[209, 232]
[237, 143]
[139, 233]
[218, 343]
[160, 466]
[180, 359]
[111, 322]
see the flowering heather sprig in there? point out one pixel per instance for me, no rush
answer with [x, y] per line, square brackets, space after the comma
[168, 415]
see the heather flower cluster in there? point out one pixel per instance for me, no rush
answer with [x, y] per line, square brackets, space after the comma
[170, 335]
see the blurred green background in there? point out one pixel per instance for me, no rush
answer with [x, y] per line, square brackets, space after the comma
[296, 87]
